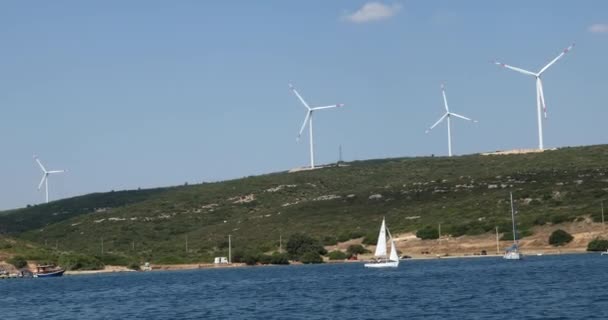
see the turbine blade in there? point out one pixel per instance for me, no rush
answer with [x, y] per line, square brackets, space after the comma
[461, 117]
[520, 70]
[556, 58]
[542, 97]
[445, 100]
[56, 171]
[40, 163]
[41, 181]
[438, 122]
[328, 107]
[304, 124]
[298, 95]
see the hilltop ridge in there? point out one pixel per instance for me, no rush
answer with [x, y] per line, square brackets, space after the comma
[468, 195]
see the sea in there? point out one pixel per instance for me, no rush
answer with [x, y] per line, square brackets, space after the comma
[572, 286]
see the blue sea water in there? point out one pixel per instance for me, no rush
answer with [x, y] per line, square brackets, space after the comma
[546, 287]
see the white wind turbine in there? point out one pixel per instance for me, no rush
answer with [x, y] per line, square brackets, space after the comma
[447, 115]
[308, 119]
[540, 97]
[45, 177]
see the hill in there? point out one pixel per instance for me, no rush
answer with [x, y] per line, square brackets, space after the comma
[468, 195]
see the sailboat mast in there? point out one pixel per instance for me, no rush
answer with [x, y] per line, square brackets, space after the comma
[513, 219]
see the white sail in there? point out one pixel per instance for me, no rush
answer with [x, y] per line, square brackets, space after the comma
[381, 244]
[393, 256]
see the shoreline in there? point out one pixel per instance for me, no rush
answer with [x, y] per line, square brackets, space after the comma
[196, 266]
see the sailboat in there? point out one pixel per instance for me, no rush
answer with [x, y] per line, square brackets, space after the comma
[381, 259]
[512, 253]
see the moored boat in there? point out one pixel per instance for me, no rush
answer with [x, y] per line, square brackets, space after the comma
[48, 271]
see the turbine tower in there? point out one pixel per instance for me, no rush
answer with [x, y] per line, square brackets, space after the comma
[447, 115]
[308, 120]
[45, 177]
[540, 96]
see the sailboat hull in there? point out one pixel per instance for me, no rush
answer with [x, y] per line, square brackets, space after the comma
[384, 264]
[512, 256]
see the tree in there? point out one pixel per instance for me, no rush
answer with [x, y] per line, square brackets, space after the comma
[337, 255]
[300, 244]
[597, 244]
[355, 249]
[18, 261]
[279, 258]
[428, 233]
[560, 237]
[311, 257]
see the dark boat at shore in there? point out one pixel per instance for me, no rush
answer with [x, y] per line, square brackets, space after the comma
[48, 271]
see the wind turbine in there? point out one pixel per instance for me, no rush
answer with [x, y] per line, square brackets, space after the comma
[308, 119]
[447, 115]
[540, 97]
[45, 177]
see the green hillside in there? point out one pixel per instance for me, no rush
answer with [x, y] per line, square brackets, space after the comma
[467, 195]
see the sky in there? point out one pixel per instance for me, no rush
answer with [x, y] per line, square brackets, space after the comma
[142, 94]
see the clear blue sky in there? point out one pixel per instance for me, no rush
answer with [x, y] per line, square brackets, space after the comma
[128, 94]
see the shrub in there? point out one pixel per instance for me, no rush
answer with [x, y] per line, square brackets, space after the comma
[556, 219]
[427, 233]
[18, 261]
[370, 239]
[311, 257]
[337, 255]
[299, 244]
[597, 245]
[279, 258]
[559, 237]
[330, 241]
[355, 249]
[521, 233]
[134, 266]
[264, 259]
[80, 262]
[540, 221]
[250, 259]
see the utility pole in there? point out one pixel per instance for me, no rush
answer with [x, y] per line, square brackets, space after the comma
[339, 154]
[439, 231]
[186, 244]
[603, 226]
[280, 243]
[229, 249]
[101, 245]
[497, 245]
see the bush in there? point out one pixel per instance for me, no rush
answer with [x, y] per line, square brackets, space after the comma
[264, 259]
[508, 236]
[279, 258]
[134, 266]
[337, 255]
[560, 237]
[330, 241]
[556, 219]
[355, 249]
[80, 262]
[370, 239]
[311, 257]
[18, 261]
[597, 245]
[299, 244]
[250, 259]
[428, 233]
